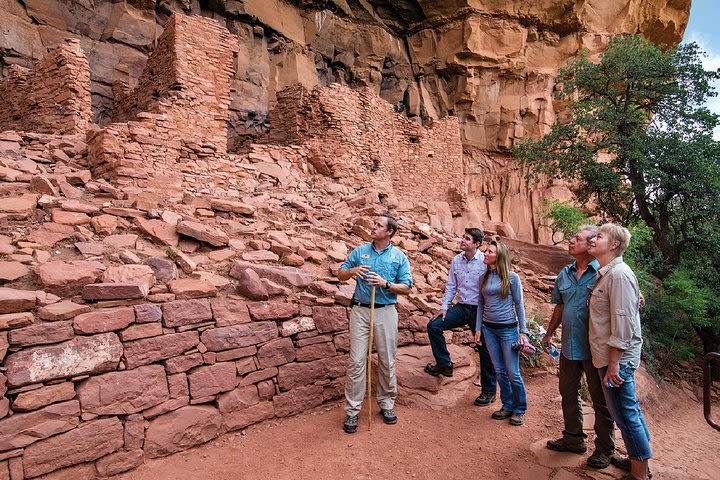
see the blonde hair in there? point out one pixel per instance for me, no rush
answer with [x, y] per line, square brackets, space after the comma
[503, 266]
[617, 233]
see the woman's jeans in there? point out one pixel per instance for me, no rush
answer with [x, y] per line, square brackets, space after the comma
[625, 410]
[507, 366]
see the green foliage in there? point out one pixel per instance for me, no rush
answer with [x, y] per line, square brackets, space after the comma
[564, 219]
[636, 142]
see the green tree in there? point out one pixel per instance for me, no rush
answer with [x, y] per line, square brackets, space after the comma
[636, 142]
[564, 219]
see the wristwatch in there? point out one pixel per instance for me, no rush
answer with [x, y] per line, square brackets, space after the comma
[387, 285]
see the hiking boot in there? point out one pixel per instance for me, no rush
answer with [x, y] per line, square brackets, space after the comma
[517, 419]
[389, 416]
[623, 463]
[501, 414]
[436, 370]
[561, 445]
[599, 460]
[350, 425]
[483, 400]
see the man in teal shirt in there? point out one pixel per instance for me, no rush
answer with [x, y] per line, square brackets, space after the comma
[570, 296]
[381, 265]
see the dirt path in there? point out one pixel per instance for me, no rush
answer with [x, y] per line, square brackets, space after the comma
[461, 442]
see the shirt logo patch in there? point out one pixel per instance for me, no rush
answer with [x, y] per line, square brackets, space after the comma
[365, 255]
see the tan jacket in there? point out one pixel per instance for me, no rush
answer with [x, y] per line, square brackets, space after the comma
[615, 315]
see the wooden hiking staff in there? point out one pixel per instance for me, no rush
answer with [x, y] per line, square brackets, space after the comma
[369, 358]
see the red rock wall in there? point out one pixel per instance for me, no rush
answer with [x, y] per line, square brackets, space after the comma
[177, 113]
[124, 379]
[358, 138]
[51, 97]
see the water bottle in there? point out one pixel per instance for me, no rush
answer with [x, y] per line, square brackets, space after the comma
[552, 351]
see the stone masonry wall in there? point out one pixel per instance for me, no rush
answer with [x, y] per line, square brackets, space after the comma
[357, 137]
[123, 379]
[51, 97]
[177, 113]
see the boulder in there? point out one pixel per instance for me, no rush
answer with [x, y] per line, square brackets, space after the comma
[330, 319]
[186, 312]
[18, 208]
[161, 232]
[63, 310]
[235, 336]
[290, 276]
[40, 397]
[11, 271]
[229, 311]
[114, 291]
[298, 400]
[250, 285]
[14, 301]
[123, 393]
[42, 333]
[247, 416]
[85, 443]
[238, 399]
[23, 429]
[150, 350]
[119, 462]
[67, 279]
[16, 320]
[147, 313]
[188, 288]
[296, 325]
[181, 429]
[139, 274]
[225, 205]
[273, 310]
[105, 320]
[212, 379]
[79, 356]
[204, 233]
[50, 233]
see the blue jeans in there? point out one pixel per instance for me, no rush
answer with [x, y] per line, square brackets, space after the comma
[457, 316]
[507, 366]
[625, 410]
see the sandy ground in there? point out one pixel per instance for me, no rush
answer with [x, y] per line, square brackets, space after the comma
[460, 442]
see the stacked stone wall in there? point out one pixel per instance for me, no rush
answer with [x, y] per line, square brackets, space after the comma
[51, 97]
[177, 113]
[357, 137]
[125, 379]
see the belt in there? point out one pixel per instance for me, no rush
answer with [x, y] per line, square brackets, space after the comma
[367, 305]
[499, 326]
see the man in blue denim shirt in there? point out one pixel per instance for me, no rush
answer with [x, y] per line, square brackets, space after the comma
[466, 270]
[570, 296]
[381, 265]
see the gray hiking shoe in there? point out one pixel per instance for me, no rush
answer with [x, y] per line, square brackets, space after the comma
[350, 425]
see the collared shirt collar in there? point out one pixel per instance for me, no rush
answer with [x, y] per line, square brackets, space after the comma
[477, 256]
[604, 270]
[594, 264]
[372, 244]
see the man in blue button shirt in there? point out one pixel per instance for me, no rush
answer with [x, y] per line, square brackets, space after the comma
[570, 296]
[381, 265]
[466, 270]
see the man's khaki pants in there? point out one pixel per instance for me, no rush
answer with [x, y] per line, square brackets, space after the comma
[385, 332]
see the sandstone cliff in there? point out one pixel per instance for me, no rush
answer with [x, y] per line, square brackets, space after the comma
[490, 63]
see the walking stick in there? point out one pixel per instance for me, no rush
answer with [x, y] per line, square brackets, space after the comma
[369, 358]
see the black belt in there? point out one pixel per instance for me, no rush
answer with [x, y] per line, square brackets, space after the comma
[367, 305]
[498, 326]
[467, 305]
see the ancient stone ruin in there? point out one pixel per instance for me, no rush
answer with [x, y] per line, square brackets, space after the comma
[167, 253]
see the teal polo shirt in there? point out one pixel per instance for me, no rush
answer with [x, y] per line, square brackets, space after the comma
[390, 263]
[573, 295]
